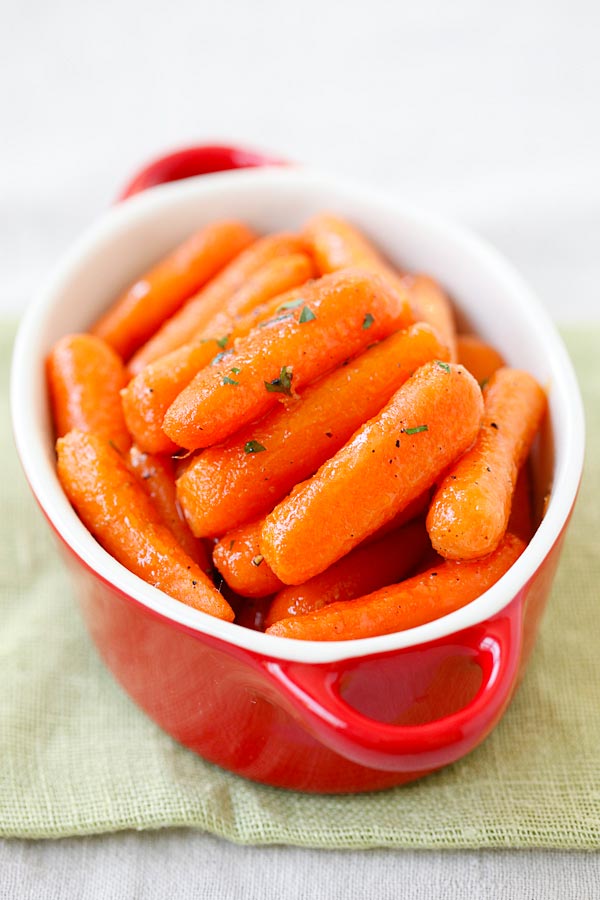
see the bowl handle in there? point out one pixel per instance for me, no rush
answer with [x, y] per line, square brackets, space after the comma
[314, 692]
[198, 160]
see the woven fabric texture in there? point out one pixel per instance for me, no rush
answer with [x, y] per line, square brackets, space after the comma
[78, 757]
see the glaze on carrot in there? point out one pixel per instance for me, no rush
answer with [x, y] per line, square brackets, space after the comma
[429, 422]
[238, 558]
[340, 315]
[148, 396]
[157, 477]
[432, 305]
[161, 291]
[114, 507]
[276, 276]
[85, 377]
[200, 309]
[479, 357]
[443, 589]
[253, 470]
[371, 566]
[470, 509]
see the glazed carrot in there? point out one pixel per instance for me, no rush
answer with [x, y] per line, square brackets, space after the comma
[433, 306]
[252, 471]
[277, 275]
[430, 421]
[113, 506]
[200, 309]
[369, 567]
[430, 595]
[469, 512]
[479, 357]
[336, 244]
[238, 558]
[148, 396]
[521, 510]
[339, 316]
[85, 377]
[159, 293]
[156, 475]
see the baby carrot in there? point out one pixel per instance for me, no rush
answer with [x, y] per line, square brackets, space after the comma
[156, 475]
[200, 309]
[336, 244]
[339, 316]
[277, 275]
[444, 588]
[428, 423]
[148, 396]
[470, 509]
[238, 558]
[369, 567]
[159, 293]
[85, 377]
[521, 510]
[480, 358]
[432, 305]
[113, 506]
[255, 468]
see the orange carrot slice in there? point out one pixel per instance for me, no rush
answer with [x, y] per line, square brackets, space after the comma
[336, 244]
[253, 470]
[369, 567]
[200, 309]
[432, 305]
[159, 293]
[446, 587]
[238, 558]
[114, 507]
[157, 477]
[469, 512]
[85, 377]
[479, 357]
[339, 316]
[428, 423]
[280, 274]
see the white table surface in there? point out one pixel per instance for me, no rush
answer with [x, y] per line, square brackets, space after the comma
[488, 113]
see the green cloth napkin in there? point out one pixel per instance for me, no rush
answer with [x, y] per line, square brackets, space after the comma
[77, 756]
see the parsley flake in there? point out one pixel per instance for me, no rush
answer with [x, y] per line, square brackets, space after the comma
[283, 384]
[416, 429]
[367, 321]
[443, 365]
[291, 304]
[217, 359]
[253, 447]
[307, 315]
[228, 380]
[235, 370]
[222, 342]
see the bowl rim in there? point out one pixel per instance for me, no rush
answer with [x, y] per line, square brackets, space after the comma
[44, 483]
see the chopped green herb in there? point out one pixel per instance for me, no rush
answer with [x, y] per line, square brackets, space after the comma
[307, 315]
[276, 319]
[368, 321]
[416, 429]
[217, 359]
[443, 365]
[253, 447]
[228, 380]
[291, 304]
[235, 370]
[222, 342]
[283, 384]
[257, 560]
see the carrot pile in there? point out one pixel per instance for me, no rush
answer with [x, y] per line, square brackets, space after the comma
[297, 418]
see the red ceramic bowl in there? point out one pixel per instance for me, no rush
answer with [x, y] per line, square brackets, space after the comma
[340, 716]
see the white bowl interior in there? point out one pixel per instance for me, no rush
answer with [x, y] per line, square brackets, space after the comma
[490, 296]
